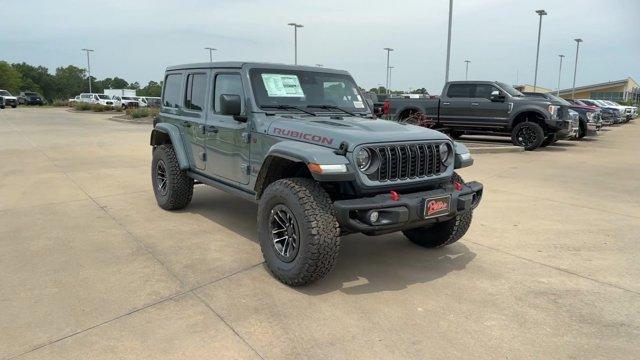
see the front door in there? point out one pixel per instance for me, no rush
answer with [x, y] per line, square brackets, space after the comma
[493, 113]
[228, 140]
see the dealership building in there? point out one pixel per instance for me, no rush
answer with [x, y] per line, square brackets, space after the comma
[620, 90]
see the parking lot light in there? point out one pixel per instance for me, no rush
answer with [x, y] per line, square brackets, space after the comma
[559, 73]
[211, 50]
[541, 12]
[389, 50]
[575, 68]
[446, 72]
[389, 83]
[466, 70]
[295, 41]
[88, 66]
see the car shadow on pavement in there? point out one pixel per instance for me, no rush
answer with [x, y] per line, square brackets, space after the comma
[388, 263]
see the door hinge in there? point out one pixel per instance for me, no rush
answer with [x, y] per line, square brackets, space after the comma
[246, 137]
[246, 169]
[203, 156]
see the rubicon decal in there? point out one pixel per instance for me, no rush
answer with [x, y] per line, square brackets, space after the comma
[302, 136]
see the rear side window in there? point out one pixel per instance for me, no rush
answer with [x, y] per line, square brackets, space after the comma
[195, 92]
[230, 84]
[171, 94]
[461, 91]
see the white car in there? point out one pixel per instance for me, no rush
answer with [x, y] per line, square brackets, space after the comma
[9, 100]
[126, 101]
[101, 99]
[142, 102]
[628, 111]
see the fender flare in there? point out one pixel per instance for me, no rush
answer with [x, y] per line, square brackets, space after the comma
[159, 135]
[410, 107]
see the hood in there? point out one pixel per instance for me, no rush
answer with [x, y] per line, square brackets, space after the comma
[581, 107]
[331, 132]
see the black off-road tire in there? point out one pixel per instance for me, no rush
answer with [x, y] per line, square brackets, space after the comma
[442, 233]
[179, 186]
[14, 106]
[318, 230]
[535, 131]
[550, 139]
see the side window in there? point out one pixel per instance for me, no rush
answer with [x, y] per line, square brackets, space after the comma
[485, 90]
[195, 92]
[230, 84]
[171, 93]
[460, 91]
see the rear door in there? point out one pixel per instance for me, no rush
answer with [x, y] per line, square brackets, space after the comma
[228, 139]
[455, 105]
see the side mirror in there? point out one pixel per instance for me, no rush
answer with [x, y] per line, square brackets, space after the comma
[498, 96]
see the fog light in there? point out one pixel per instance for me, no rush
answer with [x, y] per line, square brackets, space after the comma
[373, 216]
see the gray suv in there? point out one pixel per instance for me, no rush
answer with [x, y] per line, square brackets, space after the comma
[302, 143]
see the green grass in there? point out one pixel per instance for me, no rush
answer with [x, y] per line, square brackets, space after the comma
[82, 106]
[142, 112]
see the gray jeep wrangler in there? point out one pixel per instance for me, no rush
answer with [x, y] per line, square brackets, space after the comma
[303, 144]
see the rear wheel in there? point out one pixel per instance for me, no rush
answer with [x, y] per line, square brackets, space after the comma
[172, 187]
[442, 233]
[528, 135]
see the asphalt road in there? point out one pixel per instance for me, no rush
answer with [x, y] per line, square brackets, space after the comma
[92, 268]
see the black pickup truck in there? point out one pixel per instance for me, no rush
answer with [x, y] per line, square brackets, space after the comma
[486, 107]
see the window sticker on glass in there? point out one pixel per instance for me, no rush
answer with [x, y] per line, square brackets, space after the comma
[282, 85]
[358, 104]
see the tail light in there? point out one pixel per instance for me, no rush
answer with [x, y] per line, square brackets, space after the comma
[385, 107]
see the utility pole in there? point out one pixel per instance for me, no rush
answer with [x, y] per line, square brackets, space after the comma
[466, 70]
[389, 84]
[559, 73]
[88, 66]
[295, 41]
[446, 75]
[575, 68]
[535, 76]
[211, 50]
[389, 50]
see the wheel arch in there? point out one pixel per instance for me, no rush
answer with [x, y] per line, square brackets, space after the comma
[529, 115]
[164, 134]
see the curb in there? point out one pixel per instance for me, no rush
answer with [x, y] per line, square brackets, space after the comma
[494, 149]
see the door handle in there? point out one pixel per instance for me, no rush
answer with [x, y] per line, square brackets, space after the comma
[474, 104]
[446, 103]
[208, 129]
[186, 124]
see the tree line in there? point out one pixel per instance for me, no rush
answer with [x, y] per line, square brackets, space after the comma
[64, 83]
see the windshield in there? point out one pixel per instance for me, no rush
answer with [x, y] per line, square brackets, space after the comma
[510, 90]
[4, 93]
[105, 97]
[558, 99]
[283, 88]
[126, 98]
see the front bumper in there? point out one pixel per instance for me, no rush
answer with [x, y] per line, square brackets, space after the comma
[11, 102]
[566, 129]
[405, 213]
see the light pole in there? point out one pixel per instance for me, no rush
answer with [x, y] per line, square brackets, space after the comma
[295, 41]
[88, 66]
[211, 50]
[466, 70]
[389, 50]
[535, 76]
[575, 68]
[389, 83]
[446, 75]
[559, 73]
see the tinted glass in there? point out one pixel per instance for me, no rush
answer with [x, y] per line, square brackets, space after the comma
[227, 84]
[485, 90]
[196, 91]
[171, 94]
[461, 91]
[509, 89]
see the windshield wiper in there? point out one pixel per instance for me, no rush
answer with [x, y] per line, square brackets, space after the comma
[289, 107]
[328, 107]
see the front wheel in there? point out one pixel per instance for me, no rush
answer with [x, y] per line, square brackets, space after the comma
[582, 130]
[528, 135]
[442, 233]
[298, 232]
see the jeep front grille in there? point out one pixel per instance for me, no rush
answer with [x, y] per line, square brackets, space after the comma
[401, 162]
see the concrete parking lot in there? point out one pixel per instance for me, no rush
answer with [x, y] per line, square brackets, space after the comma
[92, 268]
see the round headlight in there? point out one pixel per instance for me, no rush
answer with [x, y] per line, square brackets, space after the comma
[363, 159]
[446, 155]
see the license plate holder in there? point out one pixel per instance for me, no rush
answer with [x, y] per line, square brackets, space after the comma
[436, 206]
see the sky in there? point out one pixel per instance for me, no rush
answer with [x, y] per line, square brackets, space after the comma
[137, 40]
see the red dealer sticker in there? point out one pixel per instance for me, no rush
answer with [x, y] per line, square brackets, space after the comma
[437, 206]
